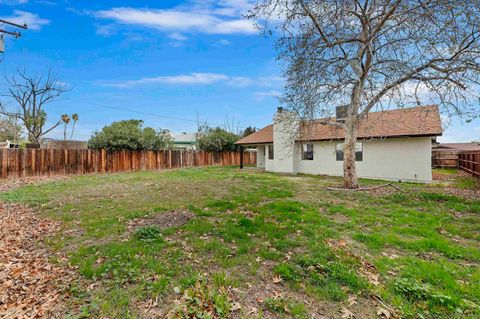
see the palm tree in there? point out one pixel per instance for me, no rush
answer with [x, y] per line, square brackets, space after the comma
[75, 119]
[65, 120]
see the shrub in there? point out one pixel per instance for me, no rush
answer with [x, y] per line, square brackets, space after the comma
[130, 135]
[216, 140]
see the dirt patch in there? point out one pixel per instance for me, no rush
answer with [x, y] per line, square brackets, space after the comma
[439, 176]
[174, 218]
[9, 184]
[340, 218]
[31, 285]
[470, 194]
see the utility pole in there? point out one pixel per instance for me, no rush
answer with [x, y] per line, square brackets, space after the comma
[5, 32]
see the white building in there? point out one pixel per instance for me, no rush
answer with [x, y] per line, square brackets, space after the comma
[8, 144]
[392, 145]
[184, 141]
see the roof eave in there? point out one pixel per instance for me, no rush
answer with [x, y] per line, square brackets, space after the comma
[371, 137]
[252, 143]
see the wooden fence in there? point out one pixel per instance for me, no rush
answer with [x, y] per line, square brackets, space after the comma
[16, 163]
[444, 159]
[470, 162]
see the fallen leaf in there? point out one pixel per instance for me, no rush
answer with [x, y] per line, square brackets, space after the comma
[352, 300]
[236, 306]
[252, 311]
[342, 243]
[383, 313]
[277, 279]
[347, 314]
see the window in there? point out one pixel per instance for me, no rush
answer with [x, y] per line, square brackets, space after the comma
[358, 152]
[307, 152]
[270, 152]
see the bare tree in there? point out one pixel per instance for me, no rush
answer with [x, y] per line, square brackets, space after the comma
[373, 55]
[30, 94]
[10, 129]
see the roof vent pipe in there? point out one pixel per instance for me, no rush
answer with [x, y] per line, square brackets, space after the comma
[341, 113]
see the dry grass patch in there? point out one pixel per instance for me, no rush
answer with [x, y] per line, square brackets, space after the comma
[174, 218]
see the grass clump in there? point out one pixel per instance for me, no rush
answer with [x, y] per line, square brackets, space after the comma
[204, 300]
[282, 305]
[148, 234]
[418, 292]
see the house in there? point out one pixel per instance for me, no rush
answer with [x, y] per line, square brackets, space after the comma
[459, 147]
[185, 141]
[392, 145]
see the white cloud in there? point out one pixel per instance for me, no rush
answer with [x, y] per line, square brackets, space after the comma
[233, 8]
[262, 95]
[105, 30]
[223, 42]
[33, 21]
[456, 135]
[271, 81]
[185, 79]
[13, 2]
[232, 27]
[177, 36]
[240, 81]
[224, 17]
[199, 79]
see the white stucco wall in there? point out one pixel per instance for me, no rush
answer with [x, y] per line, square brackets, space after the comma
[406, 159]
[285, 129]
[269, 164]
[261, 156]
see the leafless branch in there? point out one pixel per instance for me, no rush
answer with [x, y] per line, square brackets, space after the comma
[31, 94]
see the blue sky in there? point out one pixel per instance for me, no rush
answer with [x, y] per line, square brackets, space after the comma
[133, 59]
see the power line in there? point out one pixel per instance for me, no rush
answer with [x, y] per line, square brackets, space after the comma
[148, 113]
[5, 32]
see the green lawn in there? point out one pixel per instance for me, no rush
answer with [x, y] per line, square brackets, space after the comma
[262, 245]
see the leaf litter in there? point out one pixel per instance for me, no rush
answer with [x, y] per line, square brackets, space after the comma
[31, 284]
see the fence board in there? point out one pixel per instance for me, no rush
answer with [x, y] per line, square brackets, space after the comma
[15, 163]
[470, 162]
[445, 159]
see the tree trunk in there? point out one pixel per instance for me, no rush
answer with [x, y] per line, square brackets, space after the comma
[349, 169]
[32, 138]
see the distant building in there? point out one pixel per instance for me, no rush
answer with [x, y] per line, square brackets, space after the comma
[446, 155]
[61, 144]
[8, 144]
[461, 147]
[185, 141]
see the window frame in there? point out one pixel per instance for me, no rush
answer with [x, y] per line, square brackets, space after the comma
[307, 155]
[270, 151]
[358, 152]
